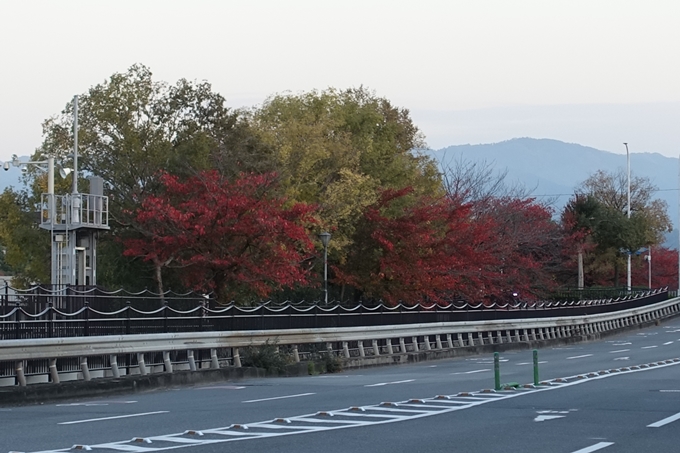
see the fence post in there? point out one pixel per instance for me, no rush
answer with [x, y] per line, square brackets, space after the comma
[535, 366]
[128, 309]
[165, 316]
[50, 319]
[17, 318]
[5, 301]
[496, 371]
[87, 319]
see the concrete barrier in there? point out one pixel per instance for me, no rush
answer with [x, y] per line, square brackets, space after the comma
[222, 348]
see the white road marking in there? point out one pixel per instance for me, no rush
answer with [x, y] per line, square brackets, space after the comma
[598, 446]
[96, 403]
[625, 343]
[669, 391]
[665, 421]
[622, 358]
[112, 418]
[279, 397]
[667, 343]
[620, 350]
[579, 356]
[530, 363]
[649, 347]
[380, 384]
[472, 372]
[220, 387]
[331, 420]
[542, 418]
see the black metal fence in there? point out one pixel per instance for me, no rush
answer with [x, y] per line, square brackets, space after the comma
[41, 313]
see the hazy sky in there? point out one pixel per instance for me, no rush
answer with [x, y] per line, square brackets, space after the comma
[593, 72]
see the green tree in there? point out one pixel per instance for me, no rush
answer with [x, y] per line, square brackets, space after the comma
[613, 233]
[132, 127]
[340, 150]
[27, 248]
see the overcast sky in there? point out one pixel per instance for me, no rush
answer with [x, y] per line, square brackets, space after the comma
[593, 72]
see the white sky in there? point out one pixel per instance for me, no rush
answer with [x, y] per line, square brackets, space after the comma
[594, 72]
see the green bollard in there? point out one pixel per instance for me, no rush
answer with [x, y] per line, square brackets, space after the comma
[535, 366]
[497, 370]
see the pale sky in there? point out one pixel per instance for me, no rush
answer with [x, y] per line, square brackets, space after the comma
[594, 72]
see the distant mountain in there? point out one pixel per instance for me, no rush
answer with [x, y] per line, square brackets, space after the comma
[552, 168]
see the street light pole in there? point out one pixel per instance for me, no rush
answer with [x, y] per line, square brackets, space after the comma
[628, 279]
[325, 237]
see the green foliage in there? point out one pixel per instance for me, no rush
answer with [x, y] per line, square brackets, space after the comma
[27, 248]
[131, 127]
[266, 356]
[331, 362]
[340, 149]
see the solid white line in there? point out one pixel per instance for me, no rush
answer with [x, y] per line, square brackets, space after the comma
[649, 347]
[665, 421]
[471, 372]
[278, 397]
[595, 447]
[380, 384]
[112, 418]
[620, 350]
[579, 356]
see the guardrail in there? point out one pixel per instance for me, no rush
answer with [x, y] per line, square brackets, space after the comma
[52, 322]
[54, 360]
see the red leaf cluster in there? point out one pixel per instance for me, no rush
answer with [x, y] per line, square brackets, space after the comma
[228, 236]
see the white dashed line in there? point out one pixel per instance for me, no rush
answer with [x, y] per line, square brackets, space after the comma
[579, 356]
[380, 384]
[649, 347]
[472, 372]
[112, 418]
[665, 421]
[279, 397]
[620, 350]
[598, 446]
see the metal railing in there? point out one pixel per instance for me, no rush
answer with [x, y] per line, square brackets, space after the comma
[48, 319]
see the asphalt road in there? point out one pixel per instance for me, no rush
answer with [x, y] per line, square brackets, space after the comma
[427, 407]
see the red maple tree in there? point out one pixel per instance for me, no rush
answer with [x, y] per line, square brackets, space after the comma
[429, 251]
[232, 237]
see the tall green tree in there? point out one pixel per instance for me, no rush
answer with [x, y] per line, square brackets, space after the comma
[340, 149]
[613, 233]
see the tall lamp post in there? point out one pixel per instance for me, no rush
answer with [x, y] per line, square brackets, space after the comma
[628, 214]
[648, 258]
[325, 238]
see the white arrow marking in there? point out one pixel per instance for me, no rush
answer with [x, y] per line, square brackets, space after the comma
[542, 418]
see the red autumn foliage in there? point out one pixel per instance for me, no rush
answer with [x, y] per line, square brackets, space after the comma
[664, 267]
[425, 252]
[228, 236]
[526, 243]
